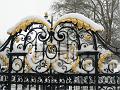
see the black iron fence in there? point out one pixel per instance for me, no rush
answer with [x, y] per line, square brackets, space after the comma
[66, 57]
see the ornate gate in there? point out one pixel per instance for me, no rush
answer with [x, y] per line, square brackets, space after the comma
[70, 55]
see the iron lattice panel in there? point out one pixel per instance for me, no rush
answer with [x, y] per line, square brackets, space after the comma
[68, 47]
[60, 81]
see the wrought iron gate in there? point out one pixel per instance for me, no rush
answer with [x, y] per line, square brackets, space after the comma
[67, 56]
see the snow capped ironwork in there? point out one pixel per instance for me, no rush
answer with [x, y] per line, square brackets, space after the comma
[69, 55]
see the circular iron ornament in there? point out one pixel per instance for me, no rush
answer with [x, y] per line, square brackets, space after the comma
[4, 87]
[20, 46]
[31, 36]
[64, 68]
[43, 63]
[60, 35]
[7, 50]
[51, 51]
[42, 66]
[110, 88]
[60, 66]
[20, 37]
[5, 69]
[17, 64]
[100, 47]
[60, 63]
[111, 69]
[28, 38]
[43, 35]
[87, 64]
[32, 28]
[84, 45]
[72, 34]
[37, 69]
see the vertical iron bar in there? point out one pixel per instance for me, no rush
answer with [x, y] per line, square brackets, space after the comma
[96, 60]
[23, 76]
[37, 86]
[29, 86]
[9, 72]
[116, 83]
[43, 86]
[58, 82]
[72, 82]
[96, 72]
[16, 81]
[29, 82]
[65, 88]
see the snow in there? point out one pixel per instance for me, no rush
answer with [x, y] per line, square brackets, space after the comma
[117, 69]
[87, 48]
[13, 29]
[1, 42]
[19, 51]
[95, 26]
[33, 65]
[2, 53]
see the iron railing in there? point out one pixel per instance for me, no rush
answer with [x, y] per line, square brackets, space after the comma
[61, 58]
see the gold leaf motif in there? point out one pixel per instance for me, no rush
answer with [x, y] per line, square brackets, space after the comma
[102, 59]
[74, 21]
[80, 23]
[17, 39]
[66, 56]
[23, 25]
[75, 64]
[87, 37]
[5, 60]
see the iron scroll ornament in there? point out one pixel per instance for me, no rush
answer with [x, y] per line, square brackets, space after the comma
[37, 54]
[54, 47]
[51, 44]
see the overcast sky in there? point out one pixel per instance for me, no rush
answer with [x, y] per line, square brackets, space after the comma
[13, 11]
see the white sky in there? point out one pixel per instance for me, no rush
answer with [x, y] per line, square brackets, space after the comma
[13, 11]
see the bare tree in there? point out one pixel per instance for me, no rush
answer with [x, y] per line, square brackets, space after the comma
[116, 29]
[102, 11]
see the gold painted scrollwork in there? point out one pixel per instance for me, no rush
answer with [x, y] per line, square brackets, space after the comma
[77, 22]
[25, 23]
[75, 64]
[102, 59]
